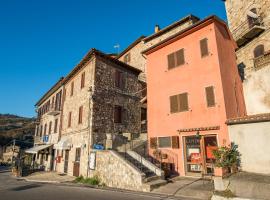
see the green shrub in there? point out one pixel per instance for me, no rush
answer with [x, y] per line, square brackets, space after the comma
[90, 181]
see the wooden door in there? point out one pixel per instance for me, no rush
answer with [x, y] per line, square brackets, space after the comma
[76, 165]
[66, 161]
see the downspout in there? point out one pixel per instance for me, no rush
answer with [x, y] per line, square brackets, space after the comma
[90, 118]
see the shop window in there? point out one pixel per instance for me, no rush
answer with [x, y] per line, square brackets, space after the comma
[164, 142]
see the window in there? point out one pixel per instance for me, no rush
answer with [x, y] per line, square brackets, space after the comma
[179, 103]
[143, 114]
[119, 79]
[50, 127]
[259, 51]
[210, 96]
[41, 129]
[69, 119]
[164, 142]
[176, 59]
[80, 115]
[45, 129]
[78, 155]
[127, 58]
[72, 89]
[252, 18]
[204, 47]
[55, 125]
[117, 114]
[82, 80]
[37, 130]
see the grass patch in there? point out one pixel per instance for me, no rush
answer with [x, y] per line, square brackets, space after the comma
[227, 193]
[90, 181]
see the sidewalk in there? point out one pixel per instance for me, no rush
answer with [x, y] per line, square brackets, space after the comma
[49, 177]
[187, 187]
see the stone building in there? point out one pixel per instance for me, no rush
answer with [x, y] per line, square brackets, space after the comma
[132, 54]
[249, 22]
[48, 128]
[101, 100]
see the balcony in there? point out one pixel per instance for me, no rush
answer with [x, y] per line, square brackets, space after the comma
[53, 110]
[46, 139]
[262, 61]
[38, 140]
[246, 31]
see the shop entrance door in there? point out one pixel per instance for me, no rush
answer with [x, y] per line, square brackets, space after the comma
[199, 158]
[76, 166]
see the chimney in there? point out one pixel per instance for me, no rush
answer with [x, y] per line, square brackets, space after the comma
[157, 28]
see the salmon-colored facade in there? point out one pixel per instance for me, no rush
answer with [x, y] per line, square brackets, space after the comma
[184, 138]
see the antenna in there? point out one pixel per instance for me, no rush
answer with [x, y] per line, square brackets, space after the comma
[117, 46]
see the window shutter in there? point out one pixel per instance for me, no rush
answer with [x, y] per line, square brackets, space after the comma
[171, 61]
[55, 125]
[69, 119]
[153, 143]
[50, 127]
[82, 80]
[175, 142]
[210, 96]
[174, 104]
[180, 57]
[204, 47]
[183, 102]
[72, 89]
[80, 114]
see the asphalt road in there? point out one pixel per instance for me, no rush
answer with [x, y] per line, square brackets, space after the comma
[13, 189]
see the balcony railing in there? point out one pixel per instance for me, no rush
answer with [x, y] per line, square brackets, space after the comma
[246, 31]
[262, 61]
[53, 110]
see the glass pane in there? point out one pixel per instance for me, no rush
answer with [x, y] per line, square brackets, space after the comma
[164, 142]
[193, 154]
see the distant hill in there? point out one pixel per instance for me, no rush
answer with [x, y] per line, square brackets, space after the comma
[16, 127]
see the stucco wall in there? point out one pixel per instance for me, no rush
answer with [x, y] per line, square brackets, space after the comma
[253, 142]
[115, 172]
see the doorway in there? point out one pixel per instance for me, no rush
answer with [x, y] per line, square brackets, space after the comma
[66, 161]
[76, 166]
[198, 154]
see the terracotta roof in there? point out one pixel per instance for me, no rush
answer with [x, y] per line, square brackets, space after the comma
[265, 117]
[95, 52]
[172, 26]
[199, 129]
[186, 32]
[131, 46]
[50, 92]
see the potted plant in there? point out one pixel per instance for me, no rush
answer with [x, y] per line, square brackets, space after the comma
[227, 158]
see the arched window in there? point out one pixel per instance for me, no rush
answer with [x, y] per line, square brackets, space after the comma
[258, 51]
[252, 17]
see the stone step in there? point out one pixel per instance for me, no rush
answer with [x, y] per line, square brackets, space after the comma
[149, 186]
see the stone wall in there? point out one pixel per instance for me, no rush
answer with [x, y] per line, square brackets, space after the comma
[138, 60]
[256, 83]
[253, 142]
[116, 172]
[106, 96]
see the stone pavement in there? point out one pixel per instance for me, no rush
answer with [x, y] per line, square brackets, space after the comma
[187, 187]
[52, 177]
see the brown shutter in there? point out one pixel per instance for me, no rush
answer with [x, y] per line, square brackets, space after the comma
[153, 143]
[82, 80]
[55, 125]
[175, 142]
[174, 104]
[210, 96]
[72, 89]
[183, 102]
[171, 61]
[50, 127]
[69, 119]
[80, 114]
[204, 47]
[180, 57]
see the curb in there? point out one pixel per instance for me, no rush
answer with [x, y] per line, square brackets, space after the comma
[5, 171]
[78, 185]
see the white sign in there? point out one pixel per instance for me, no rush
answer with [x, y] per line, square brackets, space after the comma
[92, 161]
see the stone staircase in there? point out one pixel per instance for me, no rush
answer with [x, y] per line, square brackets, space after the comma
[153, 176]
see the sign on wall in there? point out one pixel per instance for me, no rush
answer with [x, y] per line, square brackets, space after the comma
[92, 161]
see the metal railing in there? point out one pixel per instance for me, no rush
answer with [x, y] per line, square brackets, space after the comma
[262, 61]
[245, 27]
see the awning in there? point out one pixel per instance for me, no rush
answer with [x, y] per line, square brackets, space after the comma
[63, 144]
[37, 148]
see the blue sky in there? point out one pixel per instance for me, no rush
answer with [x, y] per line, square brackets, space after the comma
[40, 41]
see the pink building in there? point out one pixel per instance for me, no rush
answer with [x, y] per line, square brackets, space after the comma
[193, 88]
